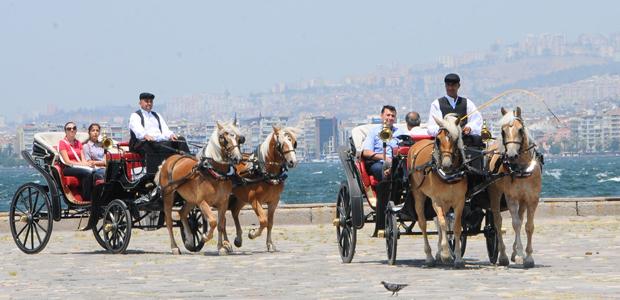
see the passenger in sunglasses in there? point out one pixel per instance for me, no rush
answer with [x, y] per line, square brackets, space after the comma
[70, 149]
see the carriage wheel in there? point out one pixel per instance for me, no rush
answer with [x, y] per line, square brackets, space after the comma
[30, 218]
[490, 233]
[451, 236]
[391, 234]
[345, 231]
[117, 226]
[197, 226]
[98, 231]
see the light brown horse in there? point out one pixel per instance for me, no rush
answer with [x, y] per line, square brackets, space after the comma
[426, 159]
[202, 182]
[263, 172]
[516, 158]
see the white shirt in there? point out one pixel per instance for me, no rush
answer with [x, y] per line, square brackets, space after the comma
[151, 126]
[474, 121]
[417, 131]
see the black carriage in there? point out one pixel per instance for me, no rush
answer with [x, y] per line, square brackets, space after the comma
[390, 204]
[125, 199]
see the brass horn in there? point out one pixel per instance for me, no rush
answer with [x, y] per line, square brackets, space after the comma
[386, 132]
[106, 142]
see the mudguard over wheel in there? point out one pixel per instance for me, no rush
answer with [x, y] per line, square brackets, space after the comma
[345, 231]
[30, 218]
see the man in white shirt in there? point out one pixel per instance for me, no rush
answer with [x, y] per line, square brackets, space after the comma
[452, 103]
[150, 135]
[413, 124]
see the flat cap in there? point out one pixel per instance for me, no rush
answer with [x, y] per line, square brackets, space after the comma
[452, 78]
[147, 96]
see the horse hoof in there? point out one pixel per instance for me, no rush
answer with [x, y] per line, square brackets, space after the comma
[228, 247]
[459, 264]
[176, 251]
[271, 248]
[430, 262]
[528, 263]
[238, 242]
[222, 251]
[503, 261]
[518, 260]
[251, 234]
[513, 257]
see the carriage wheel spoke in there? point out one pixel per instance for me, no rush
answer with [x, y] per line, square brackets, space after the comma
[37, 232]
[39, 225]
[22, 231]
[30, 200]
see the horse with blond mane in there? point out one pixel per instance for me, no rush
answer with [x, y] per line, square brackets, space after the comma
[517, 160]
[435, 172]
[202, 181]
[263, 173]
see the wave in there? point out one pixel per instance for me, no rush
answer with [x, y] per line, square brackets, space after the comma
[614, 179]
[317, 172]
[555, 173]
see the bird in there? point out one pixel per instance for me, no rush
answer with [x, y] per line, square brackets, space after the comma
[393, 287]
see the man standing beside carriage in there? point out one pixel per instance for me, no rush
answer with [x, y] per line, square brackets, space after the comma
[463, 107]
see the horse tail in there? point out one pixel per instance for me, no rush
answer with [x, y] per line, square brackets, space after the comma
[158, 174]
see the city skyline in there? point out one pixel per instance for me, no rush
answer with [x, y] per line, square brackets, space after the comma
[243, 48]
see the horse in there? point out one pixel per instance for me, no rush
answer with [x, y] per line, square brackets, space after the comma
[263, 173]
[202, 181]
[517, 160]
[433, 165]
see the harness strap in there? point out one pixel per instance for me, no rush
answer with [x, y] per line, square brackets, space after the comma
[179, 182]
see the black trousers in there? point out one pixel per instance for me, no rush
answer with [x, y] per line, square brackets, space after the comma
[156, 152]
[86, 176]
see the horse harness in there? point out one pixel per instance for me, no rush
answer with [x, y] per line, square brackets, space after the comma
[258, 172]
[203, 168]
[431, 166]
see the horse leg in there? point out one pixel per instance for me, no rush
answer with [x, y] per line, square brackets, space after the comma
[443, 252]
[168, 212]
[495, 197]
[517, 221]
[205, 208]
[271, 209]
[528, 262]
[458, 230]
[183, 213]
[262, 219]
[223, 245]
[235, 214]
[419, 199]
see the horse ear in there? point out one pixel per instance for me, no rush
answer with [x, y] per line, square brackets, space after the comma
[518, 112]
[275, 129]
[457, 121]
[438, 121]
[219, 126]
[504, 112]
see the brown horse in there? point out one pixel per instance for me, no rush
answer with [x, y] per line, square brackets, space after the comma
[429, 163]
[516, 158]
[263, 172]
[203, 182]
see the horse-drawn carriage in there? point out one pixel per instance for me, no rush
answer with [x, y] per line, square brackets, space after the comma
[392, 205]
[125, 198]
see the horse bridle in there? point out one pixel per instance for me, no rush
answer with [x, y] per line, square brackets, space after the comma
[520, 143]
[228, 149]
[437, 144]
[280, 147]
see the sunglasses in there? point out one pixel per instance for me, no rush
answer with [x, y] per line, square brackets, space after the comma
[71, 128]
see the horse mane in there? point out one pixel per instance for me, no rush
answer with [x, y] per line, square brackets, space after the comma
[507, 120]
[213, 149]
[264, 146]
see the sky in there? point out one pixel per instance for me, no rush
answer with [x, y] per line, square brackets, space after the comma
[75, 54]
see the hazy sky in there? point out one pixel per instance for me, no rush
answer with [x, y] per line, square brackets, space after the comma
[82, 53]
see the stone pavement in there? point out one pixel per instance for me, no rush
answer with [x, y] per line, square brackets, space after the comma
[577, 257]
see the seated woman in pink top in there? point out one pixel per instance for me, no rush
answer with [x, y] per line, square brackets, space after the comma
[71, 151]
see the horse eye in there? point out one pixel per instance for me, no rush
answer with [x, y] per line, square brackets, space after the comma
[295, 144]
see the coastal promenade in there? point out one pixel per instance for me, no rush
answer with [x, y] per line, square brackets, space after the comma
[577, 257]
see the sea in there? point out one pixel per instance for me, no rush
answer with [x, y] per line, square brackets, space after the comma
[584, 176]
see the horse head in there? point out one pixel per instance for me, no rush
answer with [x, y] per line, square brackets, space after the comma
[448, 142]
[514, 134]
[286, 144]
[226, 140]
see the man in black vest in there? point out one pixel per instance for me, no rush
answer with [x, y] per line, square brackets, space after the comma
[150, 135]
[453, 103]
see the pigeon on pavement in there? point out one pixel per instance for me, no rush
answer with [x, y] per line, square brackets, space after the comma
[393, 287]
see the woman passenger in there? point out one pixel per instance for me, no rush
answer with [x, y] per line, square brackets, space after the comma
[93, 150]
[71, 151]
